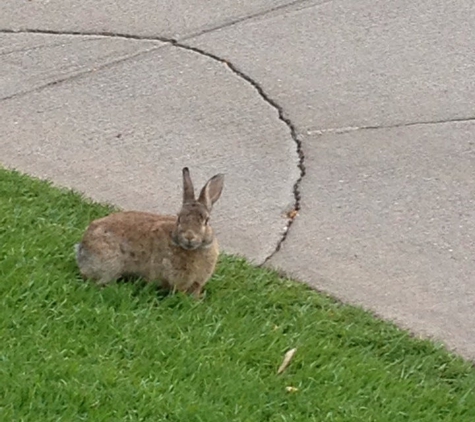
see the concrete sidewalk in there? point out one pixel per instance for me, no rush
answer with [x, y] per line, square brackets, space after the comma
[359, 114]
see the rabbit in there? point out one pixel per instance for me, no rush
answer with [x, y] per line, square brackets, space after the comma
[180, 252]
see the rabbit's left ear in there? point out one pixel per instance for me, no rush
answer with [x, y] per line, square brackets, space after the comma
[211, 191]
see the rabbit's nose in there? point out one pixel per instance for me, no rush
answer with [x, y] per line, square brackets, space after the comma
[189, 236]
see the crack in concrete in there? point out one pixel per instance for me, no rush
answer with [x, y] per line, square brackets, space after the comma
[105, 34]
[228, 64]
[305, 3]
[284, 119]
[77, 74]
[37, 47]
[250, 17]
[341, 130]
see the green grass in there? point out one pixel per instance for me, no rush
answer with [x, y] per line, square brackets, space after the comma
[70, 351]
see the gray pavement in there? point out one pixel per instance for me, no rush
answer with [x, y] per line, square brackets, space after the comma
[375, 100]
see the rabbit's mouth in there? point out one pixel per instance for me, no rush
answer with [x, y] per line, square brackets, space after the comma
[188, 245]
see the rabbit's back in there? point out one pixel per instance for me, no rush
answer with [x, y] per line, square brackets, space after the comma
[123, 243]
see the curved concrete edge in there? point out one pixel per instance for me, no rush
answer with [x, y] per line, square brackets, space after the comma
[104, 132]
[387, 222]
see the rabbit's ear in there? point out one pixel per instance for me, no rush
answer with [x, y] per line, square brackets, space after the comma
[188, 190]
[211, 191]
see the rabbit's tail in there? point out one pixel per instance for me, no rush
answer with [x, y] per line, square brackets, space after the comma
[81, 255]
[77, 249]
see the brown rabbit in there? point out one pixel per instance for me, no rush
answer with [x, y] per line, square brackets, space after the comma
[178, 252]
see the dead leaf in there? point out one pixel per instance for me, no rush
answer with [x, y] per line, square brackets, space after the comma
[292, 214]
[286, 362]
[291, 389]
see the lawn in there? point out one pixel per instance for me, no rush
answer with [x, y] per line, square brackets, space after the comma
[70, 351]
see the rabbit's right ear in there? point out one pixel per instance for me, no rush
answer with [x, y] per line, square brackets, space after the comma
[211, 191]
[188, 190]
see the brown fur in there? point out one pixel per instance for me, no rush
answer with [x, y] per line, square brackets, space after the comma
[179, 253]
